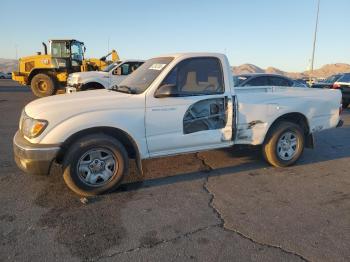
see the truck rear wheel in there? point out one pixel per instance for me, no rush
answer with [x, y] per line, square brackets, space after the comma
[94, 165]
[42, 85]
[284, 144]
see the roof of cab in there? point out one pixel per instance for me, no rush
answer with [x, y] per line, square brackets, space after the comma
[192, 54]
[65, 40]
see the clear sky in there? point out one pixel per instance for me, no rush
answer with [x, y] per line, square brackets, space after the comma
[266, 33]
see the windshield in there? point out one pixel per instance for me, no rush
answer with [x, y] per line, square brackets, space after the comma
[345, 78]
[77, 51]
[110, 67]
[238, 80]
[332, 79]
[143, 77]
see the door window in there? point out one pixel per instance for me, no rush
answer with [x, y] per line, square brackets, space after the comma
[279, 81]
[60, 49]
[77, 52]
[126, 68]
[197, 76]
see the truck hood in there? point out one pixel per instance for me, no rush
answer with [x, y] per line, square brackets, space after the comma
[90, 74]
[60, 107]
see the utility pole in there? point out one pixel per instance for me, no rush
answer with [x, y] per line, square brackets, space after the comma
[315, 38]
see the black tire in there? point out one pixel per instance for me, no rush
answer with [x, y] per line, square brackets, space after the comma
[272, 150]
[91, 86]
[76, 152]
[42, 85]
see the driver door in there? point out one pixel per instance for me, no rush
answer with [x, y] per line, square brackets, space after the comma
[199, 117]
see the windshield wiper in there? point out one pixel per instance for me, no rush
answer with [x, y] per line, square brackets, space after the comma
[124, 89]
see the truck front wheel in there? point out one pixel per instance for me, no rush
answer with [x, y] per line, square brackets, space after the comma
[284, 144]
[94, 165]
[42, 85]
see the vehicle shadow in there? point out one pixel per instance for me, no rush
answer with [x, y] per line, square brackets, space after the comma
[330, 145]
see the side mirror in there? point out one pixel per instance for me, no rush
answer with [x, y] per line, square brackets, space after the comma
[168, 90]
[118, 71]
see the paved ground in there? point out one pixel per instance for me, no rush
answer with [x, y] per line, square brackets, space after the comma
[224, 205]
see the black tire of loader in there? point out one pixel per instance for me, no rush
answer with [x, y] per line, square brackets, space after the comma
[43, 85]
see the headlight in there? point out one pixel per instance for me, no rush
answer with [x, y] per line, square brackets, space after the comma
[73, 80]
[31, 127]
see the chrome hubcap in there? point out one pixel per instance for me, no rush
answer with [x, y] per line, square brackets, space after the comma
[96, 167]
[287, 146]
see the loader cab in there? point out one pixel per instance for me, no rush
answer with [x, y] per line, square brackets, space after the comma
[67, 54]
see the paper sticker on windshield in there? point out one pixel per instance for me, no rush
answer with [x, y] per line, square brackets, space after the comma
[157, 66]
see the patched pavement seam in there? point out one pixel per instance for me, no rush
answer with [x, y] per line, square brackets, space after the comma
[164, 241]
[222, 225]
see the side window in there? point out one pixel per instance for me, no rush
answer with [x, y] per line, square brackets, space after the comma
[280, 81]
[258, 81]
[122, 70]
[197, 76]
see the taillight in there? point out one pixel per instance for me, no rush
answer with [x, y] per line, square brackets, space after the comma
[335, 86]
[340, 109]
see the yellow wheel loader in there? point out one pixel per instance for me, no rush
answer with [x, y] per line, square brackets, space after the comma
[47, 73]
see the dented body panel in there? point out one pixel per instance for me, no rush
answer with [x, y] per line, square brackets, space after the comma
[260, 107]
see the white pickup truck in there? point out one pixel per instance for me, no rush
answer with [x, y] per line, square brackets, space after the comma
[110, 76]
[171, 105]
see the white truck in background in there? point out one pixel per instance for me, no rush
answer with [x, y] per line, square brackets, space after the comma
[110, 76]
[173, 104]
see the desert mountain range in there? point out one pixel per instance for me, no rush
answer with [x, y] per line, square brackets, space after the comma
[9, 65]
[324, 71]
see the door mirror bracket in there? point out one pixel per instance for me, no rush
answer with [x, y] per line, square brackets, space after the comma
[167, 90]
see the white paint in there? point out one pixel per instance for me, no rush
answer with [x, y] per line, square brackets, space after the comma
[156, 124]
[106, 79]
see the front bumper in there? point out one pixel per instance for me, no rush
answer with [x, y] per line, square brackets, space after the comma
[77, 85]
[33, 158]
[20, 78]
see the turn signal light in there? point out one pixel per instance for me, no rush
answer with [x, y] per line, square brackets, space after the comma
[37, 128]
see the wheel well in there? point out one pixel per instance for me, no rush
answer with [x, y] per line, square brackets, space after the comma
[40, 71]
[93, 85]
[296, 118]
[123, 137]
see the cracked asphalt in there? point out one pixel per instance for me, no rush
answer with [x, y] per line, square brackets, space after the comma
[222, 205]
